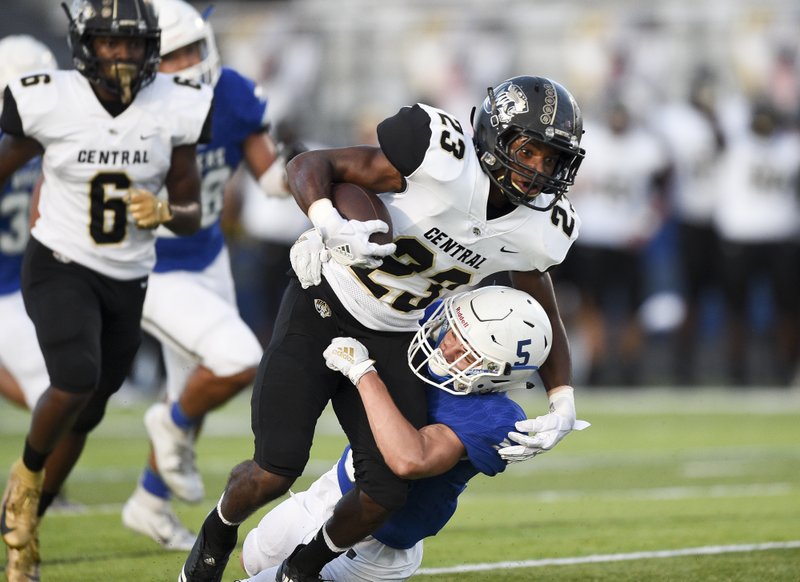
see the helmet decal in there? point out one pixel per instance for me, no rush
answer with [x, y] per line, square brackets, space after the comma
[550, 104]
[525, 110]
[509, 102]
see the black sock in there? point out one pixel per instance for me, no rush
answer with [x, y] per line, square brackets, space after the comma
[311, 559]
[44, 502]
[220, 535]
[33, 459]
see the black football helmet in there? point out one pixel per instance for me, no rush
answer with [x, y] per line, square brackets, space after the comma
[541, 110]
[123, 18]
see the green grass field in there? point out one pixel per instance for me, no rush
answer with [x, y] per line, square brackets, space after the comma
[666, 485]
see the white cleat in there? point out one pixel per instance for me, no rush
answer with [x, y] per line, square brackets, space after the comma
[148, 515]
[174, 452]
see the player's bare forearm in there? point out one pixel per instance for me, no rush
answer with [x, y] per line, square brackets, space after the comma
[185, 218]
[14, 152]
[557, 369]
[408, 452]
[183, 188]
[311, 173]
[260, 152]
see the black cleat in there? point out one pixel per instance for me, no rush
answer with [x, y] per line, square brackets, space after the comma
[289, 573]
[204, 564]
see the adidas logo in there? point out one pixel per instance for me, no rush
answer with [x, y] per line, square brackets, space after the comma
[209, 560]
[348, 354]
[343, 251]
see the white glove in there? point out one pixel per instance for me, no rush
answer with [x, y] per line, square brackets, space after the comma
[307, 255]
[147, 209]
[273, 181]
[348, 240]
[543, 432]
[350, 357]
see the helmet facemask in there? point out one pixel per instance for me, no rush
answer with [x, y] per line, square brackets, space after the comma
[123, 79]
[182, 28]
[492, 327]
[119, 77]
[544, 113]
[459, 376]
[556, 184]
[208, 68]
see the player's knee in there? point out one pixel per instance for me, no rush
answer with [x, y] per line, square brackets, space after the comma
[378, 506]
[381, 501]
[251, 482]
[241, 379]
[90, 417]
[232, 351]
[74, 373]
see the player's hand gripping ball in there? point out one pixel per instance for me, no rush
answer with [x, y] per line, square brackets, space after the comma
[348, 221]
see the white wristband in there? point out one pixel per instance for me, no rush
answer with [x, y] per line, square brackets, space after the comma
[563, 389]
[319, 211]
[359, 370]
[562, 402]
[273, 181]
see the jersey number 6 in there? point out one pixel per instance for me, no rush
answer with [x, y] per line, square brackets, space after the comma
[108, 214]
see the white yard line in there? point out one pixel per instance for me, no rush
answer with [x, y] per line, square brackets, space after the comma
[553, 496]
[651, 494]
[599, 558]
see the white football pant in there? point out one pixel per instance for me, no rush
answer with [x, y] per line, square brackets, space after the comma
[19, 349]
[194, 316]
[297, 519]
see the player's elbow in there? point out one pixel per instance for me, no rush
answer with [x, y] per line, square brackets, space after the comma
[408, 467]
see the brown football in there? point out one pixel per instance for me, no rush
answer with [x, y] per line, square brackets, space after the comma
[355, 203]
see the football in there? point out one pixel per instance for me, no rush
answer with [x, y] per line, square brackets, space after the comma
[355, 203]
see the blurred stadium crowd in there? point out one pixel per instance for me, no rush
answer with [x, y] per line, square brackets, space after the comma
[687, 270]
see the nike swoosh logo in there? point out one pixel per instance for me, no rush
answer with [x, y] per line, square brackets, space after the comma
[147, 136]
[503, 249]
[4, 529]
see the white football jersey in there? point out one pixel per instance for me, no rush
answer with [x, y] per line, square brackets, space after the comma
[695, 154]
[92, 159]
[444, 240]
[613, 190]
[758, 200]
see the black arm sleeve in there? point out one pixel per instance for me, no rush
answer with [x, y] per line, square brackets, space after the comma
[405, 137]
[10, 121]
[205, 133]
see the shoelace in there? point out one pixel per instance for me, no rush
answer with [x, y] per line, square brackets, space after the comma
[173, 525]
[187, 459]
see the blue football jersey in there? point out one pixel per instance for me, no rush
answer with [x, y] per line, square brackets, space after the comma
[480, 421]
[238, 112]
[15, 204]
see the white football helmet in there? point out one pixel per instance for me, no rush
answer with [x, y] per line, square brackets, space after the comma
[182, 25]
[506, 335]
[20, 54]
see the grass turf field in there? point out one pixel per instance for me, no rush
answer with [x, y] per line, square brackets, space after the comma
[666, 485]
